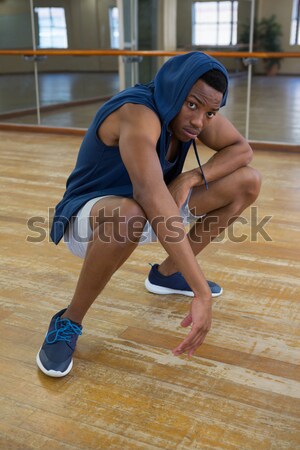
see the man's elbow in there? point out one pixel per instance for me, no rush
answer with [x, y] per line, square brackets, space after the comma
[247, 152]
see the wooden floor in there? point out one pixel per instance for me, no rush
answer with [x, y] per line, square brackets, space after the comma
[241, 391]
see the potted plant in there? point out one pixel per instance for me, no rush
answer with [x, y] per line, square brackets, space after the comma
[267, 34]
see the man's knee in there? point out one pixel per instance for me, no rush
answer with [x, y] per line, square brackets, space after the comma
[130, 208]
[128, 221]
[251, 183]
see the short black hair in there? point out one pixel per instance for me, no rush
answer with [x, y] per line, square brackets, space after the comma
[216, 79]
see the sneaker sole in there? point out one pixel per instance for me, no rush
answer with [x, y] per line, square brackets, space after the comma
[52, 373]
[154, 289]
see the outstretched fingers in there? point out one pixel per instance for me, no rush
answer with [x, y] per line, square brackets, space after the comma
[190, 344]
[199, 317]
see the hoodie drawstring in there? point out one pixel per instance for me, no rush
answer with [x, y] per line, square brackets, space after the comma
[199, 164]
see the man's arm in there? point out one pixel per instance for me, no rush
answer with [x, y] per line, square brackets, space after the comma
[232, 152]
[139, 132]
[232, 149]
[138, 136]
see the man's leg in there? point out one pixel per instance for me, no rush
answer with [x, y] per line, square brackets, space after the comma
[117, 225]
[222, 203]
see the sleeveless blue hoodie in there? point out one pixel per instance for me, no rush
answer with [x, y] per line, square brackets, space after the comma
[99, 169]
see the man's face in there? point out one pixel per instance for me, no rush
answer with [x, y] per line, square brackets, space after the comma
[198, 110]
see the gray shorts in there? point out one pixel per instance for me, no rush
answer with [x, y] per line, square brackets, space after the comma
[79, 232]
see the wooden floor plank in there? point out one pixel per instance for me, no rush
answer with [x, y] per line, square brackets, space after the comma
[211, 352]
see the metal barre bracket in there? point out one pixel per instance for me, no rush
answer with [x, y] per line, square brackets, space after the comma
[132, 59]
[250, 61]
[35, 58]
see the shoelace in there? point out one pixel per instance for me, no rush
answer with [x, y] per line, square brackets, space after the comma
[64, 329]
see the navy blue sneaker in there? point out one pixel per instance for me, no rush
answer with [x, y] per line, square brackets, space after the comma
[174, 284]
[55, 356]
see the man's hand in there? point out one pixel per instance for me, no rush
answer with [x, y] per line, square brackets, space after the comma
[180, 187]
[200, 317]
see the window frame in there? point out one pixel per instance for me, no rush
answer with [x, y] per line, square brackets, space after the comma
[231, 22]
[112, 27]
[295, 32]
[52, 28]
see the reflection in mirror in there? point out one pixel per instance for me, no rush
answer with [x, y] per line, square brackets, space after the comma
[71, 88]
[16, 74]
[65, 82]
[51, 27]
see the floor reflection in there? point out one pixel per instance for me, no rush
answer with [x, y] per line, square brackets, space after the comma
[274, 117]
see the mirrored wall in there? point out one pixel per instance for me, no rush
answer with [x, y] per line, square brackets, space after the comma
[65, 91]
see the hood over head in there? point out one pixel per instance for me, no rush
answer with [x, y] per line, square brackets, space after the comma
[175, 79]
